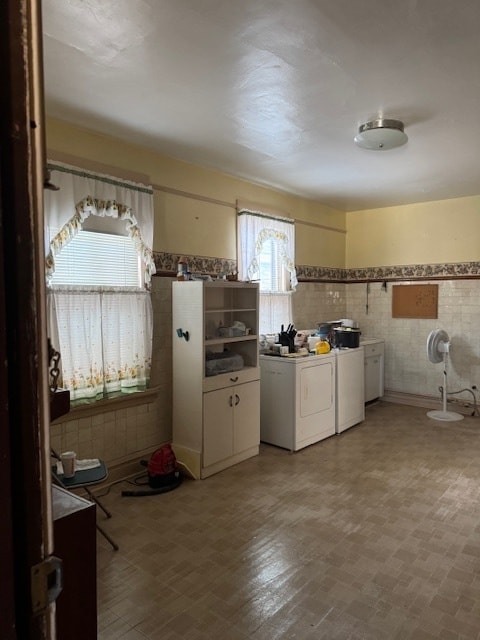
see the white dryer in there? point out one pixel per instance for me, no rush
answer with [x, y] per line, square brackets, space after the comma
[297, 400]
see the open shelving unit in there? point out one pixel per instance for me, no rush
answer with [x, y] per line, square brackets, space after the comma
[216, 418]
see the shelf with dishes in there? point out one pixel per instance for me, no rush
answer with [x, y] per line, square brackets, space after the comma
[227, 325]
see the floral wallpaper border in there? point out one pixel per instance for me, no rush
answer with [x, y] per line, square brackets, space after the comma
[167, 265]
[322, 274]
[446, 270]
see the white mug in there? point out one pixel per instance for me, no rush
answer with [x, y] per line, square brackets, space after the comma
[68, 463]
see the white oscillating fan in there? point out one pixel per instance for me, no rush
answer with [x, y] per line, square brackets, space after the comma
[438, 347]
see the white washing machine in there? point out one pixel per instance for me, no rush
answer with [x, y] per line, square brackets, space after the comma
[350, 387]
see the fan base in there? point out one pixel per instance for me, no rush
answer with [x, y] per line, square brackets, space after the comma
[445, 416]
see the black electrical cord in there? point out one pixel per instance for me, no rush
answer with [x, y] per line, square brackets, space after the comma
[152, 491]
[475, 411]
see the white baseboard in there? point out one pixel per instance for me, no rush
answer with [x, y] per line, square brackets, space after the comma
[427, 402]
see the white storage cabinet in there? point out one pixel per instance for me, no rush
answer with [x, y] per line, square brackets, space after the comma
[297, 400]
[216, 418]
[374, 369]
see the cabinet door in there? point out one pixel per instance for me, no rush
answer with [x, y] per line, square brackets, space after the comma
[217, 425]
[277, 402]
[350, 388]
[246, 411]
[75, 542]
[373, 378]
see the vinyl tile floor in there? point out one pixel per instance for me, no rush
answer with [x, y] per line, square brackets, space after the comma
[372, 534]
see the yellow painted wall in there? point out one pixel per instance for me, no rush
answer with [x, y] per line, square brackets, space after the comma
[431, 232]
[192, 227]
[188, 225]
[319, 247]
[421, 233]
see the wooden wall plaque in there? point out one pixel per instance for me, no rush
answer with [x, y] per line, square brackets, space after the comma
[415, 301]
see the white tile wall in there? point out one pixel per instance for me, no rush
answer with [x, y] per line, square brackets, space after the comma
[318, 302]
[121, 434]
[407, 368]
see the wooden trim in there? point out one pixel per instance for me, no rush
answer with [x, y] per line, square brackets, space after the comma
[113, 404]
[97, 167]
[99, 177]
[24, 343]
[320, 226]
[256, 207]
[192, 196]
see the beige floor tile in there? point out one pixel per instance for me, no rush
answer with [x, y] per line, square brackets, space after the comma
[371, 535]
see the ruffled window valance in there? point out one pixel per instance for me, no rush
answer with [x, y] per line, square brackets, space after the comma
[254, 229]
[82, 194]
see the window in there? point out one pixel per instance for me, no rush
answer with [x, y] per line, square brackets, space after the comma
[99, 310]
[101, 317]
[73, 266]
[266, 253]
[273, 274]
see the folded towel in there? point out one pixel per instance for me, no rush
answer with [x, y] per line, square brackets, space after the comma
[81, 465]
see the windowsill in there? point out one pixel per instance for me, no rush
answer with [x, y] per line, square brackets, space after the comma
[112, 404]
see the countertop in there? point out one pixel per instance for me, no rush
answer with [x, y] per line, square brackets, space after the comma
[309, 356]
[363, 342]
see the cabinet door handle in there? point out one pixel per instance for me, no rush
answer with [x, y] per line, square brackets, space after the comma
[230, 401]
[237, 399]
[234, 379]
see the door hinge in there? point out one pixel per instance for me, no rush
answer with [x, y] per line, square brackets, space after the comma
[46, 583]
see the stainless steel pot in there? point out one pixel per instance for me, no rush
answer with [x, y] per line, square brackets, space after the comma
[346, 338]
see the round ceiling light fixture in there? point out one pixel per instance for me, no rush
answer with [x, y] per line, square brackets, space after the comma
[381, 134]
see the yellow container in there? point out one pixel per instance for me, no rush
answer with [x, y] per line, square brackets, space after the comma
[322, 347]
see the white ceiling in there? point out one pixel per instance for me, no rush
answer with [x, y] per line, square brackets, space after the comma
[273, 91]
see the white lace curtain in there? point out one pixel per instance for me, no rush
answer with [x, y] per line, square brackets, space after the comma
[82, 194]
[104, 335]
[104, 338]
[254, 229]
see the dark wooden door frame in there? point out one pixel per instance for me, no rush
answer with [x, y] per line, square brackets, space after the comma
[26, 518]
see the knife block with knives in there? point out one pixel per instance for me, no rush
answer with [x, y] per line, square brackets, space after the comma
[287, 338]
